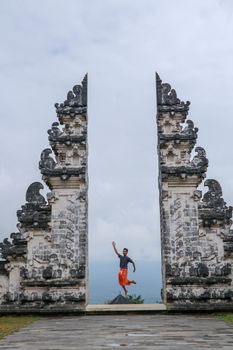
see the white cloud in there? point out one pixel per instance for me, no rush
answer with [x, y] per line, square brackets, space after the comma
[142, 243]
[47, 46]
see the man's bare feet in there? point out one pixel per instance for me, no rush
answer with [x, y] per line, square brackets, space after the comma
[134, 282]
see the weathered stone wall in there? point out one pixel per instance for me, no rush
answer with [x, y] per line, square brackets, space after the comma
[195, 230]
[44, 267]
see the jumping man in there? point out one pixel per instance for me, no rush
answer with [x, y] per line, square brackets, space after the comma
[123, 273]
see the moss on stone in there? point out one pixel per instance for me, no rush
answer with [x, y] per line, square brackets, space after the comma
[10, 324]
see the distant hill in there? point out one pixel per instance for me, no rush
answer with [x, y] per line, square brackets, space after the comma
[103, 282]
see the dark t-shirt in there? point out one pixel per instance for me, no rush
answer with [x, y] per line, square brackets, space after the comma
[124, 260]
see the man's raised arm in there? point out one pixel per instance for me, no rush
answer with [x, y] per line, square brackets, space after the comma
[114, 247]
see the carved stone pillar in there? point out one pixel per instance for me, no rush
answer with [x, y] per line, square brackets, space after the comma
[196, 267]
[67, 177]
[44, 267]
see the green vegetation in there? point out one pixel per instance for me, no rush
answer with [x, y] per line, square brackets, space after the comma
[227, 317]
[10, 324]
[136, 299]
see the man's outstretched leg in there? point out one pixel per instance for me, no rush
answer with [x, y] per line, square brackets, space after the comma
[132, 282]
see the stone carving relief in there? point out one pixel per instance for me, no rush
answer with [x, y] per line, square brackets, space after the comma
[170, 126]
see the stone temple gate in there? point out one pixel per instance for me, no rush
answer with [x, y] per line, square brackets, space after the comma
[44, 265]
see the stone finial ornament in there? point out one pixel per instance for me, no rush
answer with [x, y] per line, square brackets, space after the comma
[213, 198]
[189, 128]
[33, 194]
[84, 90]
[167, 100]
[46, 161]
[35, 213]
[4, 248]
[16, 248]
[55, 130]
[213, 208]
[76, 101]
[169, 96]
[200, 160]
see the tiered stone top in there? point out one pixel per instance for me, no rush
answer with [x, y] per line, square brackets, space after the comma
[69, 143]
[76, 102]
[167, 100]
[177, 136]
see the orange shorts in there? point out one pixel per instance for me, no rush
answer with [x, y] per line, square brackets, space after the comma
[123, 277]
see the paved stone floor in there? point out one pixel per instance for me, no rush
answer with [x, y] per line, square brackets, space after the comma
[123, 331]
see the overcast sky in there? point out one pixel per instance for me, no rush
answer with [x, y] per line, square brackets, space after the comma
[47, 46]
